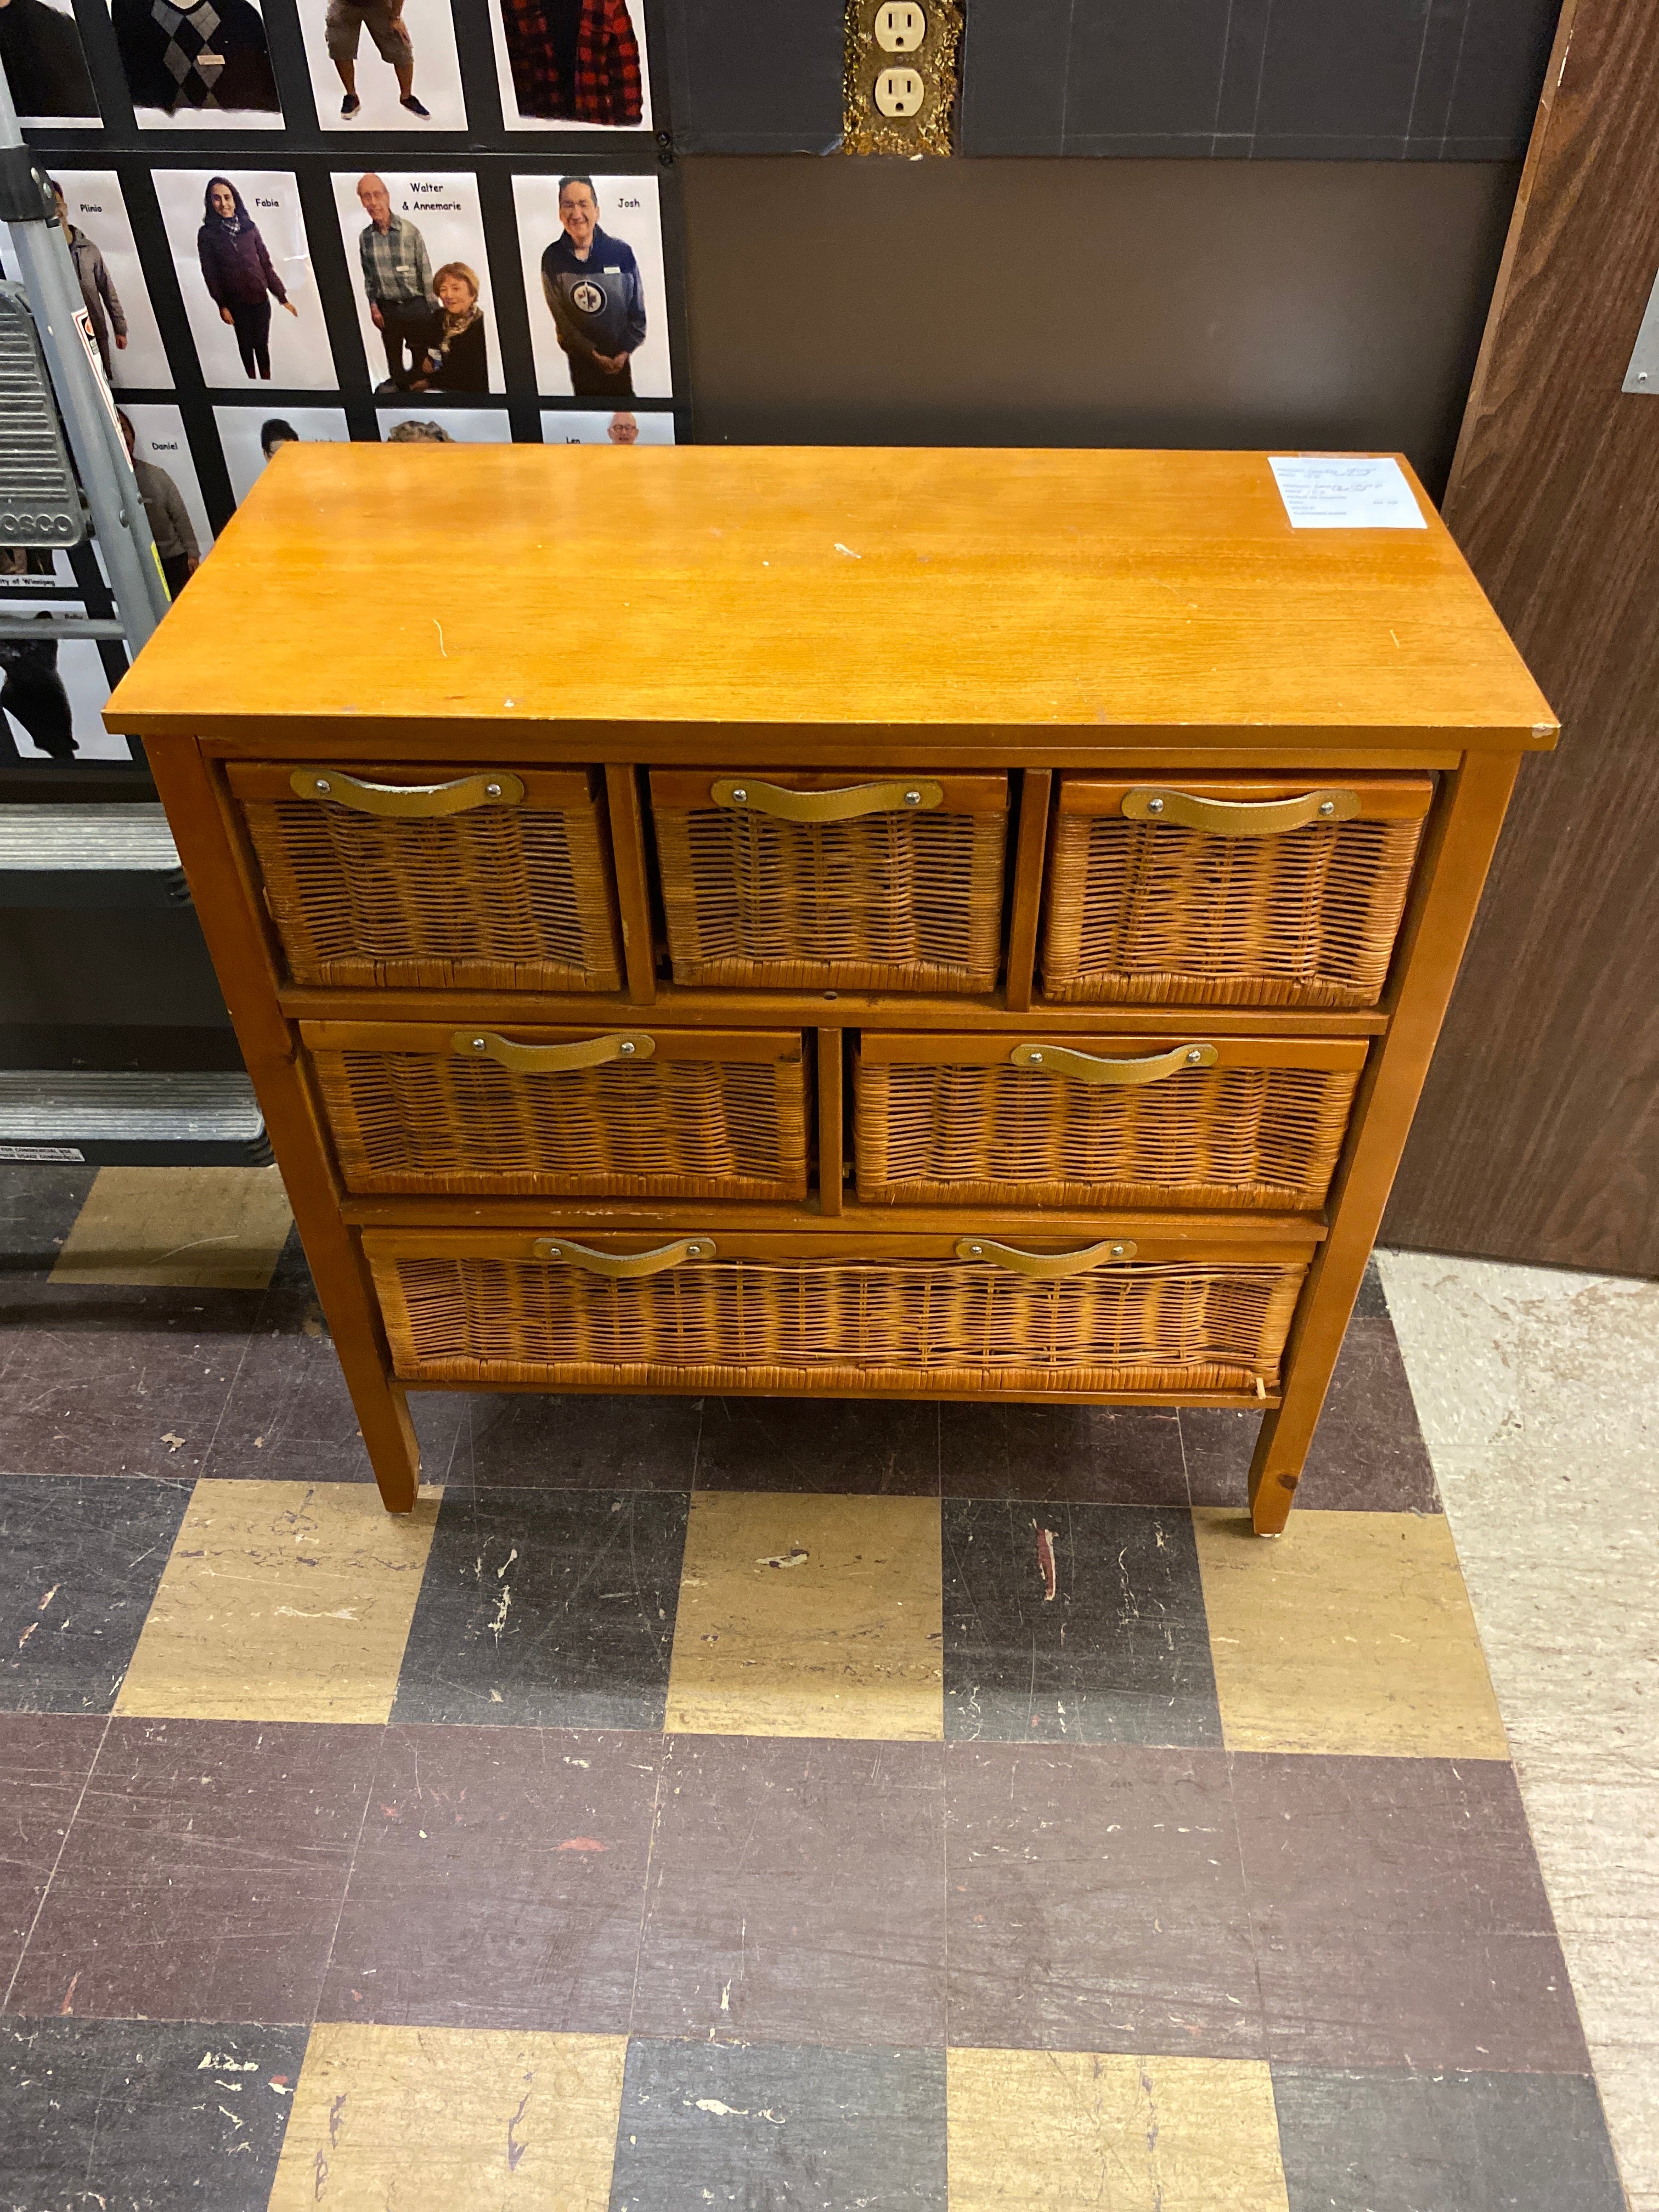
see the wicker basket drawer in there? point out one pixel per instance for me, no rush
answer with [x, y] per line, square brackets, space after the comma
[787, 879]
[633, 1113]
[1108, 1121]
[1245, 890]
[496, 879]
[947, 1313]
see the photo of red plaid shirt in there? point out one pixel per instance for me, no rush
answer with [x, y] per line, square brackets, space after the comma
[592, 77]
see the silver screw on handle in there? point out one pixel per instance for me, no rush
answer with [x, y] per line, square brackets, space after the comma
[1118, 1251]
[1327, 806]
[913, 798]
[1034, 1060]
[626, 1048]
[492, 791]
[738, 795]
[480, 1044]
[1195, 1057]
[555, 1252]
[1155, 806]
[324, 786]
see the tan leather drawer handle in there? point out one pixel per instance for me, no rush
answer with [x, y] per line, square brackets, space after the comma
[741, 792]
[551, 1059]
[625, 1266]
[1238, 817]
[1045, 1267]
[1085, 1067]
[411, 802]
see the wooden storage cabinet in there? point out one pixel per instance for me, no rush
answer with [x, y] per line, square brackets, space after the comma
[1000, 966]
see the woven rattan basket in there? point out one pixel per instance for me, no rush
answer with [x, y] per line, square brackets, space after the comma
[1113, 1121]
[789, 1323]
[635, 1114]
[812, 880]
[1159, 896]
[420, 878]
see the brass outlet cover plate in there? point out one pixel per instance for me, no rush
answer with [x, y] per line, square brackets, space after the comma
[923, 126]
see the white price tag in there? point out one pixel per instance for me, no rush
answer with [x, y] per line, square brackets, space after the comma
[1321, 492]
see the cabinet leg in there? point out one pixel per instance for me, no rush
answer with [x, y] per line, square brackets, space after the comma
[382, 1411]
[1275, 1473]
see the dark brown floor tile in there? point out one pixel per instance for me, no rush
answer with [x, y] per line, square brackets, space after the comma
[1467, 2143]
[80, 1559]
[544, 1442]
[499, 1881]
[1399, 1915]
[1372, 1303]
[795, 1894]
[866, 1445]
[203, 1874]
[1368, 1454]
[546, 1608]
[775, 2124]
[1103, 1455]
[1075, 1624]
[288, 1416]
[142, 2116]
[38, 1206]
[1096, 1902]
[44, 1759]
[117, 1382]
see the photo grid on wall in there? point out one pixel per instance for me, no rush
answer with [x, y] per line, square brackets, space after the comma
[408, 220]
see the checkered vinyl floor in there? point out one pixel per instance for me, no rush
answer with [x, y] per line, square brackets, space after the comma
[740, 1803]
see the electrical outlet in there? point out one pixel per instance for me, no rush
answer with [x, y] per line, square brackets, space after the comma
[900, 86]
[900, 27]
[899, 92]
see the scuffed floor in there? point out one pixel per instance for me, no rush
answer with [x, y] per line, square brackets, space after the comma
[840, 1807]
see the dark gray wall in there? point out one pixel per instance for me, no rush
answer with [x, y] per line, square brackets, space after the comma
[1086, 303]
[1357, 80]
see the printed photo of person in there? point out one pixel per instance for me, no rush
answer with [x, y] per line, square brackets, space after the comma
[254, 436]
[168, 486]
[239, 248]
[192, 64]
[592, 254]
[620, 427]
[417, 245]
[571, 65]
[52, 695]
[383, 65]
[236, 268]
[457, 426]
[94, 214]
[46, 63]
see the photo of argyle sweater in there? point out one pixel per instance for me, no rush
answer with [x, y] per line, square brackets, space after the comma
[575, 61]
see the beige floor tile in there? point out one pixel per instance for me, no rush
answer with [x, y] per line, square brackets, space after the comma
[1066, 2132]
[281, 1601]
[1537, 1390]
[1352, 1634]
[409, 2119]
[810, 1616]
[198, 1228]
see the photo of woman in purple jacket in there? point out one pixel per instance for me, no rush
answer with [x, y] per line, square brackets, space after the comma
[238, 273]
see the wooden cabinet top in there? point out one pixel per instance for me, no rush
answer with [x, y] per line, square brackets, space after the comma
[475, 591]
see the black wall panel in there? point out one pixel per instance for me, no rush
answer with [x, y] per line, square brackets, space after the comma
[1353, 80]
[1084, 303]
[756, 77]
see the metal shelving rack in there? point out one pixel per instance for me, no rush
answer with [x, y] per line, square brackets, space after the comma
[112, 857]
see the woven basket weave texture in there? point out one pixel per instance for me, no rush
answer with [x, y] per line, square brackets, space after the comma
[1226, 1137]
[696, 1128]
[844, 1324]
[1151, 913]
[497, 899]
[911, 901]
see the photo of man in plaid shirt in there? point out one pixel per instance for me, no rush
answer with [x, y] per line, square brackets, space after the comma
[398, 280]
[575, 61]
